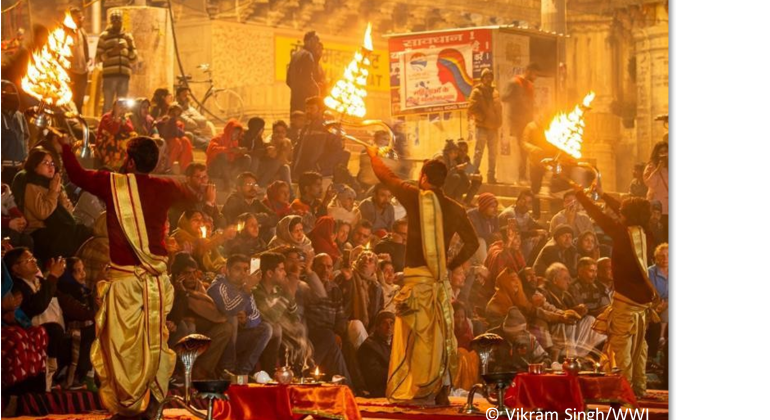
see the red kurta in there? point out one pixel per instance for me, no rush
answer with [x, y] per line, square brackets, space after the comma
[629, 278]
[158, 195]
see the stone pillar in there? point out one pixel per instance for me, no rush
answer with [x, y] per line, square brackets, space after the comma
[96, 17]
[652, 83]
[648, 44]
[554, 16]
[591, 66]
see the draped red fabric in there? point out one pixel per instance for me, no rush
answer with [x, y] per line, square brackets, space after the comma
[322, 237]
[563, 392]
[279, 402]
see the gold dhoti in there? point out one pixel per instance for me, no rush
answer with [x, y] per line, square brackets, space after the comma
[130, 353]
[424, 344]
[423, 357]
[625, 323]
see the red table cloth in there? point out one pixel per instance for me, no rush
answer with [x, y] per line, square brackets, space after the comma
[564, 392]
[279, 402]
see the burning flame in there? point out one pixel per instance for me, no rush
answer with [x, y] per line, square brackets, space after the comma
[204, 232]
[69, 22]
[317, 372]
[241, 225]
[566, 130]
[347, 95]
[588, 99]
[46, 77]
[368, 38]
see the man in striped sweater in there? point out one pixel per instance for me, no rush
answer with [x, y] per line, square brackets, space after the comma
[233, 299]
[116, 51]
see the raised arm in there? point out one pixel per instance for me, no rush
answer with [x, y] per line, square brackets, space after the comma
[612, 203]
[398, 187]
[604, 221]
[95, 182]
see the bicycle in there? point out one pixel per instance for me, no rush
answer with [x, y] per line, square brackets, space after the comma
[220, 103]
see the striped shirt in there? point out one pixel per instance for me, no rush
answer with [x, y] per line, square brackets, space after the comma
[231, 299]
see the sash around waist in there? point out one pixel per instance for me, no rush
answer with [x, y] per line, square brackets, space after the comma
[418, 275]
[622, 303]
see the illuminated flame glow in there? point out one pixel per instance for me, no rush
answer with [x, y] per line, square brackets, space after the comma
[566, 130]
[204, 232]
[46, 78]
[347, 95]
[368, 38]
[69, 22]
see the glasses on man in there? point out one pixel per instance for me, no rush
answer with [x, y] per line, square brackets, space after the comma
[251, 184]
[28, 260]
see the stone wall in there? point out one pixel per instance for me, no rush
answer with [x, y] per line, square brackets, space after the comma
[623, 56]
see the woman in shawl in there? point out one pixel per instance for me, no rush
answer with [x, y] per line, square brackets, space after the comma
[468, 359]
[143, 122]
[588, 245]
[247, 241]
[161, 100]
[205, 247]
[290, 233]
[323, 238]
[386, 275]
[342, 233]
[342, 208]
[503, 254]
[277, 198]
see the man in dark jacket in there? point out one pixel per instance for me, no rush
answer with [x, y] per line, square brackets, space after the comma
[559, 249]
[487, 111]
[300, 74]
[374, 355]
[246, 200]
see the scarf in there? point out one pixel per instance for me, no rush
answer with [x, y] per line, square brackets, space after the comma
[361, 287]
[283, 235]
[203, 305]
[60, 216]
[322, 238]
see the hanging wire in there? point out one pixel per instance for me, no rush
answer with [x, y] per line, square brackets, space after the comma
[4, 11]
